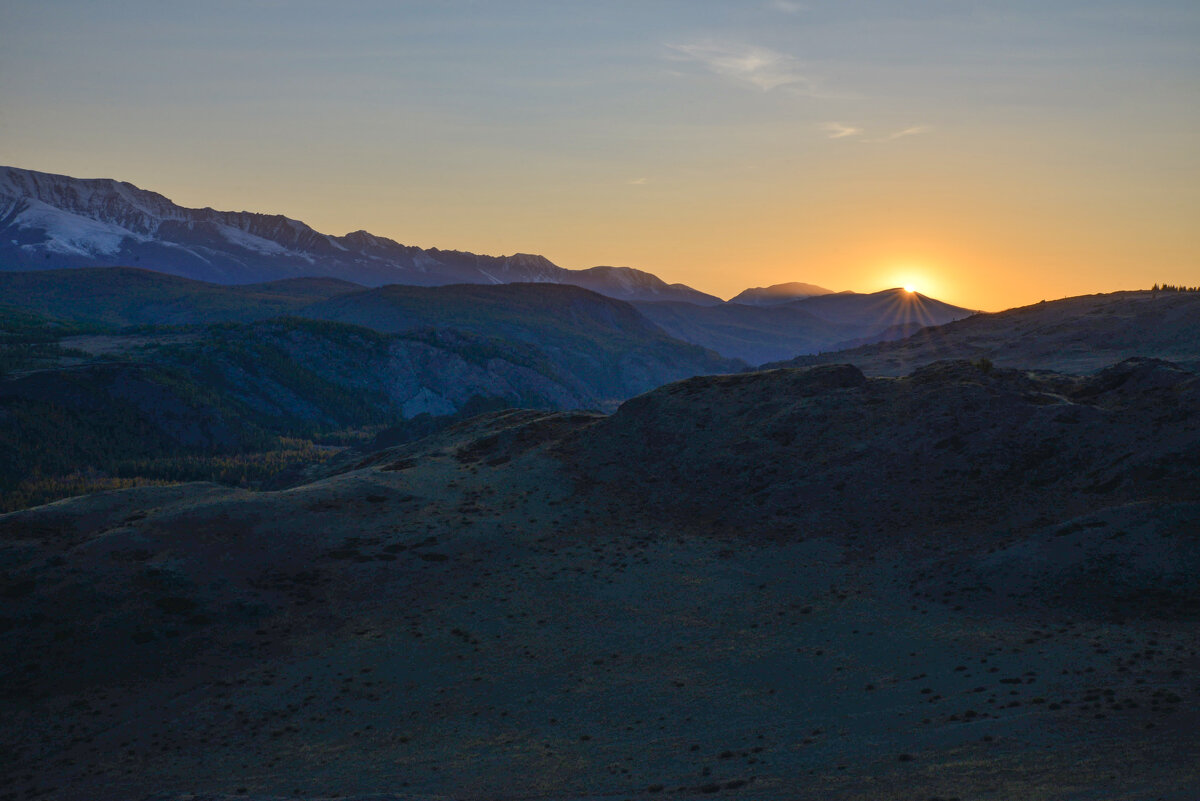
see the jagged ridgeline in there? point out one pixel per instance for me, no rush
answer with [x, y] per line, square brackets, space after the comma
[55, 221]
[115, 375]
[50, 221]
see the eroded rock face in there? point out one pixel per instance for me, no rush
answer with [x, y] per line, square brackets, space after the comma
[968, 578]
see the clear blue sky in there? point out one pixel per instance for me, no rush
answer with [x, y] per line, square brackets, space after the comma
[989, 153]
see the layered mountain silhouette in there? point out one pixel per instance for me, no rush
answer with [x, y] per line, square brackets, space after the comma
[828, 322]
[51, 221]
[606, 344]
[107, 366]
[1075, 335]
[778, 293]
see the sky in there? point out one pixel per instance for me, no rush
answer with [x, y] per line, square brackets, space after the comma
[991, 154]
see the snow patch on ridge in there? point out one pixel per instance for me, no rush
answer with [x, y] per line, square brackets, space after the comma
[72, 234]
[249, 241]
[423, 261]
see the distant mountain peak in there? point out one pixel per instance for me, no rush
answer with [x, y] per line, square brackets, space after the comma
[638, 285]
[779, 293]
[530, 258]
[56, 221]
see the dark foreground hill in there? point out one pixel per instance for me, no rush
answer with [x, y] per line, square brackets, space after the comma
[967, 583]
[1079, 334]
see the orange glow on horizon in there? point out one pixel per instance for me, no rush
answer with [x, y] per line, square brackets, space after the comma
[704, 163]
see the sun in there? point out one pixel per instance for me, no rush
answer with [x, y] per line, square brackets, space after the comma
[910, 278]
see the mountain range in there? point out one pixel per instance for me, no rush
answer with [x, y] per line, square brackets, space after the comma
[765, 332]
[54, 221]
[106, 368]
[49, 220]
[778, 293]
[102, 369]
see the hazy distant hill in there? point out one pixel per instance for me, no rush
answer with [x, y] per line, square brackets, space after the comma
[755, 334]
[127, 296]
[50, 221]
[102, 366]
[888, 307]
[762, 333]
[778, 293]
[1079, 334]
[605, 342]
[629, 284]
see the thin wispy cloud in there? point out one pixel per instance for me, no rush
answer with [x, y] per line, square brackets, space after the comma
[759, 67]
[788, 6]
[837, 130]
[913, 131]
[639, 182]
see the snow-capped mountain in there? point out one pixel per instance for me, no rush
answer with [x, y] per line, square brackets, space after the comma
[51, 221]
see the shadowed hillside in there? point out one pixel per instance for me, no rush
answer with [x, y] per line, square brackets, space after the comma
[754, 334]
[1079, 334]
[605, 342]
[114, 387]
[973, 583]
[889, 307]
[769, 331]
[86, 411]
[126, 296]
[829, 450]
